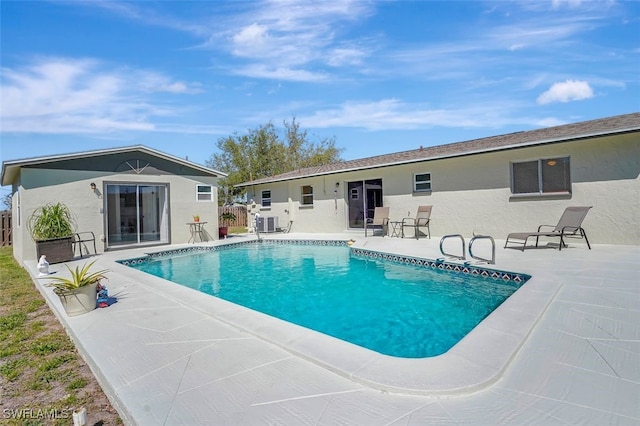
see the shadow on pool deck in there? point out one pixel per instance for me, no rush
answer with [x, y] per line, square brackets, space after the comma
[563, 349]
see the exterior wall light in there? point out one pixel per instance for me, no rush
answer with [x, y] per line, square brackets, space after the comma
[93, 186]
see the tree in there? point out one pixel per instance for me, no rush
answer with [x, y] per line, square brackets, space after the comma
[261, 153]
[6, 200]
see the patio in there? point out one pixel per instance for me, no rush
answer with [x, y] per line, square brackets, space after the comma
[165, 354]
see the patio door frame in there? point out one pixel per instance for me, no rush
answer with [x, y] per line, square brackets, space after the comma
[137, 216]
[362, 196]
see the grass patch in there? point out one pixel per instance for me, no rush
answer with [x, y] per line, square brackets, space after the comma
[39, 365]
[9, 322]
[55, 362]
[12, 369]
[49, 344]
[237, 230]
[78, 383]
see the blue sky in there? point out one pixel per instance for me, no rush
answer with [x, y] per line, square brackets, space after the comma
[378, 76]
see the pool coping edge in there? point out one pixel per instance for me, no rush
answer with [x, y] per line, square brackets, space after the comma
[424, 376]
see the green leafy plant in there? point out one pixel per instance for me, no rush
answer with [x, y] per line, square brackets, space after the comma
[51, 221]
[196, 218]
[228, 216]
[80, 277]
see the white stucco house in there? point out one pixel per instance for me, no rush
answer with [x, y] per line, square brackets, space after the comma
[128, 197]
[493, 186]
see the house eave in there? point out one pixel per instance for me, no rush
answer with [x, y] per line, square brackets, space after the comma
[11, 168]
[540, 142]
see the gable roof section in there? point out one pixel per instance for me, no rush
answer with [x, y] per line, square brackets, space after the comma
[586, 129]
[10, 168]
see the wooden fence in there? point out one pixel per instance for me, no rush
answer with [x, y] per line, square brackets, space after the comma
[239, 211]
[5, 221]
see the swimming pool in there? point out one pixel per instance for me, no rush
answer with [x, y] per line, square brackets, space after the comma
[402, 307]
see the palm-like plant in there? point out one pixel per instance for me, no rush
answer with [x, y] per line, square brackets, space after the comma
[227, 217]
[51, 221]
[80, 277]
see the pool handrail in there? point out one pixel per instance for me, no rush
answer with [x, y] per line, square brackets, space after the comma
[491, 261]
[463, 257]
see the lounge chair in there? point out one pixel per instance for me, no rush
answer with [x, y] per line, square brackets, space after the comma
[422, 219]
[285, 230]
[380, 221]
[569, 225]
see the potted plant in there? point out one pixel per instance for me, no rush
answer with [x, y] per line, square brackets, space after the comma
[78, 294]
[226, 218]
[51, 227]
[196, 218]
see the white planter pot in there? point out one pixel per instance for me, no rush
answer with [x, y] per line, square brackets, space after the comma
[78, 301]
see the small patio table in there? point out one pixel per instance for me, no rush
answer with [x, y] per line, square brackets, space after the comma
[196, 229]
[396, 228]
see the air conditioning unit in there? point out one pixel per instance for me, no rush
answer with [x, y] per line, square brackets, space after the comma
[267, 224]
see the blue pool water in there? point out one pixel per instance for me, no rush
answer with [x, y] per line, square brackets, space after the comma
[395, 309]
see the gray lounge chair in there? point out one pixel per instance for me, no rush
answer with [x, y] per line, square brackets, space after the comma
[287, 229]
[380, 221]
[422, 219]
[569, 225]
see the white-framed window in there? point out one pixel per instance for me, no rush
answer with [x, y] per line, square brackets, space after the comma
[543, 176]
[204, 192]
[265, 197]
[306, 195]
[422, 182]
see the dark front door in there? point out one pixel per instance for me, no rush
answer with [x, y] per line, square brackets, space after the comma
[364, 197]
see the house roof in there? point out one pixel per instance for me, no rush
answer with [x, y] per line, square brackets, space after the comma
[10, 168]
[568, 132]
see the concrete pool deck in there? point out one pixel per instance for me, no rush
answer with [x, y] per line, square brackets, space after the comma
[564, 349]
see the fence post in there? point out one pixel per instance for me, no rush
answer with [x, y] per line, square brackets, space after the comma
[5, 219]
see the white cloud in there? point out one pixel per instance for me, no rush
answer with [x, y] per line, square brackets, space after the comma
[550, 122]
[535, 33]
[557, 4]
[570, 90]
[271, 35]
[254, 34]
[61, 95]
[287, 35]
[345, 56]
[279, 73]
[393, 114]
[154, 82]
[146, 13]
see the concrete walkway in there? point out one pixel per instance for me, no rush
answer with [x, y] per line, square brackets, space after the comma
[168, 355]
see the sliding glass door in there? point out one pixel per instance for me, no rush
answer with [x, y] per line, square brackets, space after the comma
[364, 197]
[136, 214]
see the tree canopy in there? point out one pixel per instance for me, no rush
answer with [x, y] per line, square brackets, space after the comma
[262, 152]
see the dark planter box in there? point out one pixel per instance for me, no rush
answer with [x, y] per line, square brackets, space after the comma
[57, 250]
[222, 231]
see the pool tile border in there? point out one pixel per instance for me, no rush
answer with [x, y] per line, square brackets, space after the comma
[438, 264]
[441, 265]
[186, 250]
